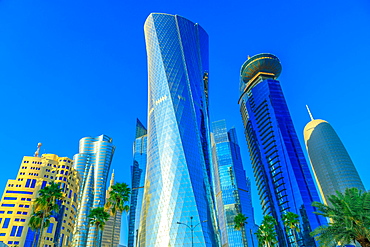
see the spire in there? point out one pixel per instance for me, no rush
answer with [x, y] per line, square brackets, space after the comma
[309, 112]
[38, 149]
[112, 179]
[140, 129]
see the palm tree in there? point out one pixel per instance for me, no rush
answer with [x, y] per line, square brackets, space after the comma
[349, 214]
[35, 224]
[266, 234]
[97, 218]
[240, 220]
[119, 195]
[46, 203]
[291, 223]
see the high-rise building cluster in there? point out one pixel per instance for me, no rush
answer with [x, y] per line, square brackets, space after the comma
[188, 183]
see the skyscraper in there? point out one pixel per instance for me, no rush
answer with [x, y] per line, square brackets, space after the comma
[333, 168]
[93, 163]
[137, 184]
[177, 189]
[16, 204]
[282, 175]
[232, 189]
[108, 228]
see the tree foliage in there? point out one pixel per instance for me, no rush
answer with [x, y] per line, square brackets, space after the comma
[46, 203]
[240, 220]
[119, 196]
[291, 224]
[266, 233]
[97, 217]
[349, 215]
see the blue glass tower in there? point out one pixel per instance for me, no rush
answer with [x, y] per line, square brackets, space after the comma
[283, 178]
[137, 184]
[178, 177]
[232, 188]
[92, 163]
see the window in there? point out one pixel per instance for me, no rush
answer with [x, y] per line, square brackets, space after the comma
[6, 222]
[33, 183]
[2, 234]
[14, 229]
[43, 184]
[7, 205]
[50, 229]
[19, 192]
[9, 212]
[28, 183]
[19, 232]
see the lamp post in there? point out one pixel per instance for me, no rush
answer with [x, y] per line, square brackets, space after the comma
[191, 227]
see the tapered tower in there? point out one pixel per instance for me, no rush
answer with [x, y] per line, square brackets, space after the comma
[282, 175]
[331, 163]
[178, 176]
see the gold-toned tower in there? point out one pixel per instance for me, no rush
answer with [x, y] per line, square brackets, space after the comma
[108, 228]
[16, 203]
[333, 167]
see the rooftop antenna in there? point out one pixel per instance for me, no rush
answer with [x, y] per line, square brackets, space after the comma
[309, 112]
[38, 149]
[249, 57]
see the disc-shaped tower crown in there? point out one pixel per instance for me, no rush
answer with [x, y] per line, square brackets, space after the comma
[264, 64]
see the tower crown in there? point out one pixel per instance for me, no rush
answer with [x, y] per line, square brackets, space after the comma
[264, 63]
[256, 69]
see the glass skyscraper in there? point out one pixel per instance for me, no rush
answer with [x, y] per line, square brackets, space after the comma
[93, 163]
[137, 184]
[232, 188]
[178, 175]
[283, 178]
[333, 168]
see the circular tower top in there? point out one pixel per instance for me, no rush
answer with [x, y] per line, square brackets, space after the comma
[264, 62]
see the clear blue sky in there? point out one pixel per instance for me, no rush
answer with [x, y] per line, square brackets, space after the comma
[70, 69]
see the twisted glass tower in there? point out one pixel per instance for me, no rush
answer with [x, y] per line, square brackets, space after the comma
[283, 178]
[137, 184]
[331, 163]
[178, 176]
[232, 188]
[92, 163]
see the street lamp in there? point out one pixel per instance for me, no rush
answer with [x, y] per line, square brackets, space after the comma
[191, 228]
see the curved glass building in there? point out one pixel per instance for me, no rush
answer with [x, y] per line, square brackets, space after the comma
[177, 189]
[232, 188]
[283, 178]
[92, 163]
[333, 168]
[137, 184]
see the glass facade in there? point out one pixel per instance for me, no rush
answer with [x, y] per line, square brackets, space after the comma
[178, 176]
[232, 188]
[283, 178]
[331, 163]
[137, 184]
[93, 163]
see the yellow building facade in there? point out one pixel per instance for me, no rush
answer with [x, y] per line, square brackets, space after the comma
[16, 207]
